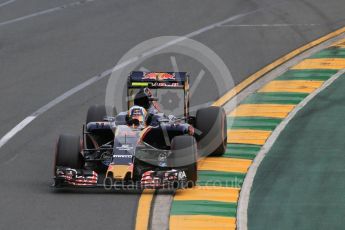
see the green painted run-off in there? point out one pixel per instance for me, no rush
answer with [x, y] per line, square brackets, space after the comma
[256, 123]
[203, 207]
[222, 179]
[307, 75]
[242, 151]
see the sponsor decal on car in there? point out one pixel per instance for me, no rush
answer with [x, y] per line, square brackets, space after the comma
[166, 84]
[123, 156]
[159, 76]
[181, 175]
[126, 133]
[124, 147]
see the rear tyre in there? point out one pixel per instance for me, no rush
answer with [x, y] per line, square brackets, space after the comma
[211, 122]
[96, 113]
[184, 156]
[68, 152]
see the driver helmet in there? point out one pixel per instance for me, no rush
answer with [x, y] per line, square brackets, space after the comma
[138, 116]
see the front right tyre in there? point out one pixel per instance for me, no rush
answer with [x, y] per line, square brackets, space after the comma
[68, 152]
[211, 129]
[184, 156]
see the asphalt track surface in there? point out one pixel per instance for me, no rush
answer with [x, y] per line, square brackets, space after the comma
[42, 57]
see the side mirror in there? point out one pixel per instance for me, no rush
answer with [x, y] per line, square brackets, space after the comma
[153, 98]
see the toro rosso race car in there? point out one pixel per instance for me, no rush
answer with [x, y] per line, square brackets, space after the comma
[142, 147]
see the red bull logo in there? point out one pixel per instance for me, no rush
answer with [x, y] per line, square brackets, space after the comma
[159, 76]
[166, 76]
[152, 76]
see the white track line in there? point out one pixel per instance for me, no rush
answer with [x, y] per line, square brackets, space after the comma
[242, 215]
[6, 3]
[94, 79]
[269, 25]
[16, 129]
[42, 12]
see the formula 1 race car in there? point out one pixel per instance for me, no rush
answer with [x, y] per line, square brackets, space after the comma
[142, 147]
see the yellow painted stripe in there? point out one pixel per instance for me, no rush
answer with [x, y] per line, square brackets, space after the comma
[254, 77]
[291, 86]
[340, 43]
[201, 222]
[222, 194]
[321, 63]
[248, 136]
[342, 46]
[144, 208]
[262, 110]
[224, 164]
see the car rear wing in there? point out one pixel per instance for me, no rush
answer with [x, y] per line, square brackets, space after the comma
[159, 80]
[139, 79]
